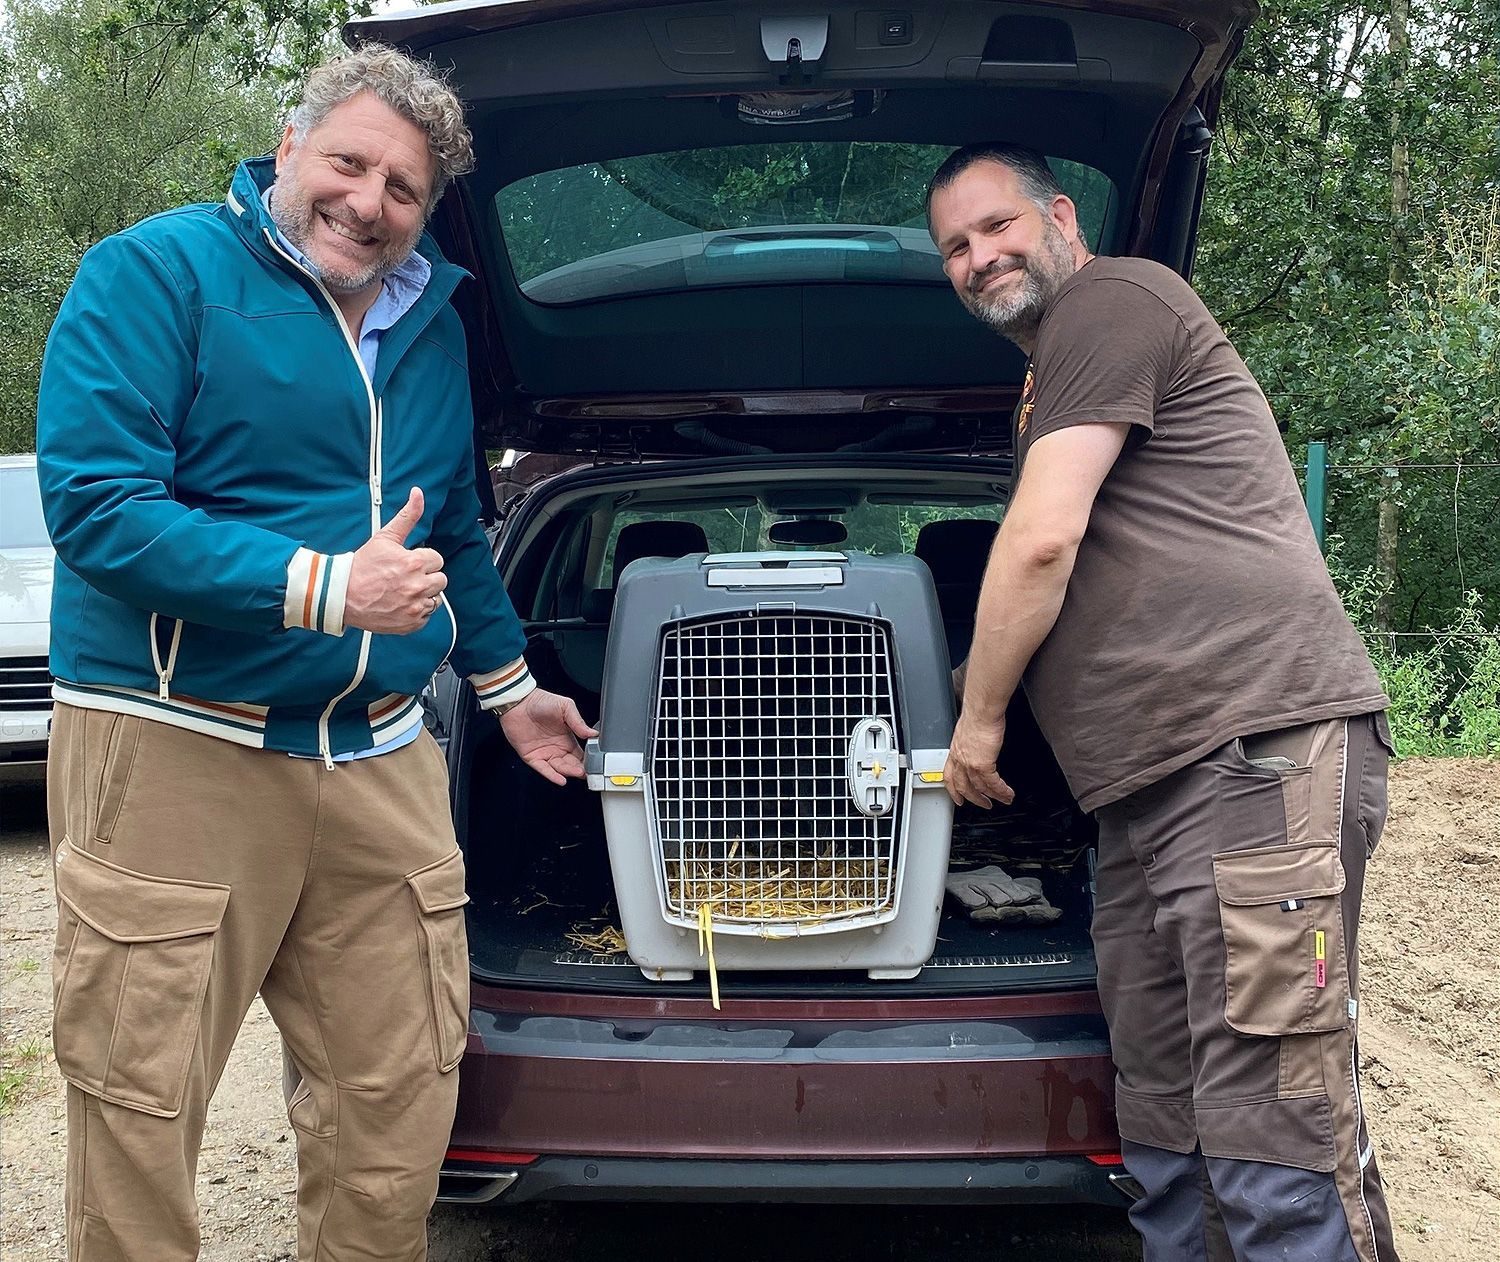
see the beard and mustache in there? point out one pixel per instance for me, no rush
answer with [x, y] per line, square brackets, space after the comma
[1016, 312]
[295, 215]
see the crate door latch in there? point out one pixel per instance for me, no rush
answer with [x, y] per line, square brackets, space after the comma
[874, 766]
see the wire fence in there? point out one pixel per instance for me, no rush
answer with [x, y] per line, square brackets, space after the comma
[1436, 571]
[1415, 550]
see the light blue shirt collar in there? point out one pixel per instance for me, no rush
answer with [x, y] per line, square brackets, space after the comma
[399, 291]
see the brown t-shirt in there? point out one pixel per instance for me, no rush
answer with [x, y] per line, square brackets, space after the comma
[1199, 608]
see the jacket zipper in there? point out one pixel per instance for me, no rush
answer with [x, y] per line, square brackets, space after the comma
[377, 462]
[325, 742]
[453, 622]
[164, 673]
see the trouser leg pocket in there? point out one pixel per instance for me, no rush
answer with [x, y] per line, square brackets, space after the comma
[439, 894]
[1285, 968]
[130, 973]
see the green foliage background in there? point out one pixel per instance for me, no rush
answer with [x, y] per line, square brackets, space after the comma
[111, 110]
[1376, 333]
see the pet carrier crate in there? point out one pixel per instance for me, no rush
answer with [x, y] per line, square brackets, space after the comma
[774, 729]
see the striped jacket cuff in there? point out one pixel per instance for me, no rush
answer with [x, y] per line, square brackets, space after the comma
[504, 687]
[316, 585]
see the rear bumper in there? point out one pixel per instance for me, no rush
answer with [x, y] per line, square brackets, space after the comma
[991, 1181]
[926, 1100]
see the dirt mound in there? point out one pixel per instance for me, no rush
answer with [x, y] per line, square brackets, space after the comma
[1431, 934]
[1430, 958]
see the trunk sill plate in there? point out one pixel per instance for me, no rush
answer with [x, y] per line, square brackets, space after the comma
[586, 960]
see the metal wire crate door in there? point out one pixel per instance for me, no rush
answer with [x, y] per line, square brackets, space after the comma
[750, 776]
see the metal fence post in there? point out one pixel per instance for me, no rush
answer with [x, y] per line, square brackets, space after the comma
[1317, 489]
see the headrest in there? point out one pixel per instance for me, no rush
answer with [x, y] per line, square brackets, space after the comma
[956, 551]
[657, 539]
[597, 605]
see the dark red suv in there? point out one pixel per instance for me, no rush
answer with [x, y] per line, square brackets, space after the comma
[702, 269]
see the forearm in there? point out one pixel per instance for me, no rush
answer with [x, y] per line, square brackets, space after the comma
[131, 541]
[1032, 561]
[1025, 583]
[1023, 592]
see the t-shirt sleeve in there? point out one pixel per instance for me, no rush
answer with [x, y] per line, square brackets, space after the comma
[1109, 351]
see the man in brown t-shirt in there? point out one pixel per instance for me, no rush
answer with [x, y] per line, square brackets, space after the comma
[1157, 589]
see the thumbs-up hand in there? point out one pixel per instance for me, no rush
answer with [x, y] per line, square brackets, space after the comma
[394, 589]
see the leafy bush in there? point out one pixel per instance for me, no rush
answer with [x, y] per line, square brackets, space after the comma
[1444, 685]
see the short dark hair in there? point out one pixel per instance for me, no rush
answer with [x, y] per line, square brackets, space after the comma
[1038, 182]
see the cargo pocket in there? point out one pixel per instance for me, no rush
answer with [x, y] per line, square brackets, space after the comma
[1283, 929]
[129, 976]
[439, 892]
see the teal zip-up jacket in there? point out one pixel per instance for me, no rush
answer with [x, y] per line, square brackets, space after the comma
[211, 453]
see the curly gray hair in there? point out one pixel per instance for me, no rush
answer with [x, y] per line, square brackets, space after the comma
[414, 89]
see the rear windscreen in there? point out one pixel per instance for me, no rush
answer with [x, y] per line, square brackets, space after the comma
[790, 212]
[879, 529]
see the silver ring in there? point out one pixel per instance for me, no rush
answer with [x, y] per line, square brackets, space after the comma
[434, 600]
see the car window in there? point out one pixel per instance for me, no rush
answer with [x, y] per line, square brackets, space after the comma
[878, 528]
[726, 529]
[791, 212]
[21, 524]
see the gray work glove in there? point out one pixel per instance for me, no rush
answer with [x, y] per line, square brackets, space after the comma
[993, 895]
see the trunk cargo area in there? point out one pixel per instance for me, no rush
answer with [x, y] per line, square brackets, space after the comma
[542, 891]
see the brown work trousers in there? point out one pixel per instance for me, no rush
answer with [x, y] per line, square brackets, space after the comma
[191, 873]
[1225, 929]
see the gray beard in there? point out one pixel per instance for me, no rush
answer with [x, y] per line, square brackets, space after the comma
[291, 213]
[1017, 316]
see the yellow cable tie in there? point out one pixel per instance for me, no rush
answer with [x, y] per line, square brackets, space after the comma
[706, 935]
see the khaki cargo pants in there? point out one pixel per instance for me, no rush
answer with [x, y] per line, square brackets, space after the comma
[1225, 928]
[192, 873]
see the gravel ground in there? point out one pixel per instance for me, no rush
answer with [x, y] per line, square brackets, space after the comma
[1431, 948]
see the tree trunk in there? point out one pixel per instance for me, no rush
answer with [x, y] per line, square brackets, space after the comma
[1400, 48]
[1387, 554]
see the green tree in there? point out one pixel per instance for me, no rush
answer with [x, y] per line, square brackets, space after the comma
[1302, 238]
[113, 113]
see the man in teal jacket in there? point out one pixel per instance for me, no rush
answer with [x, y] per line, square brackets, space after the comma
[255, 447]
